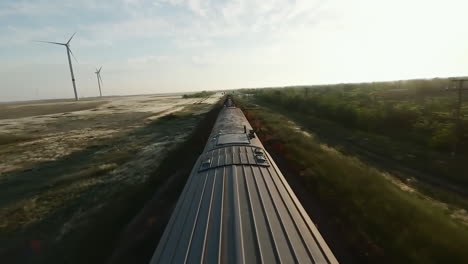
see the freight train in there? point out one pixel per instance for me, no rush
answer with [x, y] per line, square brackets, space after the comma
[237, 207]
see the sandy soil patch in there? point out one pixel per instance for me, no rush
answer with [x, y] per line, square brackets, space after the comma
[39, 138]
[71, 163]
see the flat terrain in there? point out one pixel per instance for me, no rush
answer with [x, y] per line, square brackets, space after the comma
[397, 126]
[372, 193]
[64, 162]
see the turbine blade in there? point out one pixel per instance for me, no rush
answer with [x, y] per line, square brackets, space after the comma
[63, 44]
[72, 54]
[71, 38]
[100, 79]
[100, 69]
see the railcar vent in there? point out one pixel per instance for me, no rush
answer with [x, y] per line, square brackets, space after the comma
[258, 151]
[234, 155]
[206, 163]
[260, 158]
[251, 133]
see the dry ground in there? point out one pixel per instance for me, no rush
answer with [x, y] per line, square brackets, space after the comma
[62, 161]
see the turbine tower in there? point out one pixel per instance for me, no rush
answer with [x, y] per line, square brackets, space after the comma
[67, 46]
[99, 80]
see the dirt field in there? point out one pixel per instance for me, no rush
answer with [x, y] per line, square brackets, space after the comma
[63, 161]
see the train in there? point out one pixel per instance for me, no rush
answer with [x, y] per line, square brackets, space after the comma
[237, 207]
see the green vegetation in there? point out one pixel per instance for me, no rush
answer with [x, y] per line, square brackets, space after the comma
[411, 122]
[8, 111]
[103, 234]
[75, 207]
[10, 138]
[394, 224]
[202, 94]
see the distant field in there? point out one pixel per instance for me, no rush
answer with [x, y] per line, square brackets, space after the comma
[17, 111]
[202, 94]
[69, 167]
[409, 122]
[382, 219]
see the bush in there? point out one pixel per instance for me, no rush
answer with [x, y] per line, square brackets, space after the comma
[404, 110]
[201, 94]
[443, 137]
[403, 226]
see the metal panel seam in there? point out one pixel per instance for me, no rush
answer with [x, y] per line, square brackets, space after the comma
[221, 216]
[280, 218]
[253, 217]
[209, 216]
[177, 210]
[315, 233]
[239, 215]
[185, 221]
[196, 219]
[277, 254]
[309, 251]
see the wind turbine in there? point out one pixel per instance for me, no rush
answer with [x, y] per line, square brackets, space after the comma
[99, 80]
[67, 46]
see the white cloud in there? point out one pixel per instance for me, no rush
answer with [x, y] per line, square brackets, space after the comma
[149, 59]
[13, 35]
[251, 42]
[53, 7]
[193, 42]
[198, 7]
[26, 8]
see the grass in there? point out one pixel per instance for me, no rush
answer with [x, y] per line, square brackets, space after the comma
[79, 194]
[6, 139]
[405, 159]
[399, 226]
[420, 111]
[201, 94]
[407, 122]
[103, 233]
[18, 111]
[57, 195]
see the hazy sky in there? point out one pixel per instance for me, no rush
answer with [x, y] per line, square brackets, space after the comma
[154, 46]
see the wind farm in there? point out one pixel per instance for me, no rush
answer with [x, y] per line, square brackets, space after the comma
[99, 80]
[231, 131]
[69, 52]
[61, 148]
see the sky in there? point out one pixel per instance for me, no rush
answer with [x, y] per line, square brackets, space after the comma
[167, 46]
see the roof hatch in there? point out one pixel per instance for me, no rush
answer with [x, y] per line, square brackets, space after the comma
[233, 139]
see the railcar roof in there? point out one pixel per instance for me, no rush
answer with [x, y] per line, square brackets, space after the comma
[237, 208]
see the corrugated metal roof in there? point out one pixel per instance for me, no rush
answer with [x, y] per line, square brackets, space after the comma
[234, 209]
[233, 155]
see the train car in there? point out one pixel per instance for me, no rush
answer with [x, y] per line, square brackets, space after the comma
[237, 207]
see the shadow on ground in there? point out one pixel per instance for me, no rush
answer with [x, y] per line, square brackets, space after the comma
[73, 210]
